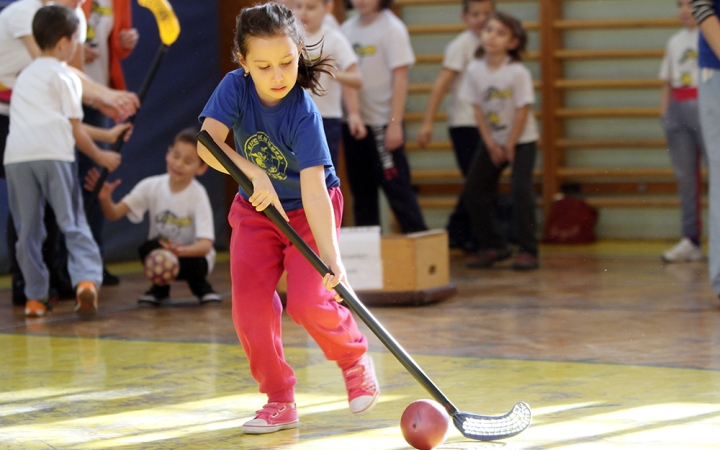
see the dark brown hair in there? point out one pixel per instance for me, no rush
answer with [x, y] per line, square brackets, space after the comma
[187, 135]
[518, 32]
[466, 4]
[270, 20]
[52, 23]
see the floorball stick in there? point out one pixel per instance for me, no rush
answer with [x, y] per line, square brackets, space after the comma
[473, 426]
[169, 29]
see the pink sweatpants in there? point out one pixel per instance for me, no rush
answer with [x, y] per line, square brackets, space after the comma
[259, 252]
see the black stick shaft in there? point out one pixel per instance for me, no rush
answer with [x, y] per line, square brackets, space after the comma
[348, 295]
[121, 139]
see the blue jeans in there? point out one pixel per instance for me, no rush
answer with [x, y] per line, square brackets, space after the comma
[709, 101]
[30, 184]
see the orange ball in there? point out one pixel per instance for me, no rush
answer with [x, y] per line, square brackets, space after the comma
[425, 424]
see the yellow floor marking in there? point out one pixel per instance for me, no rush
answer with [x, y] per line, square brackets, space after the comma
[99, 393]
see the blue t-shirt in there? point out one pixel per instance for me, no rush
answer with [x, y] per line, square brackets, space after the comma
[282, 139]
[706, 56]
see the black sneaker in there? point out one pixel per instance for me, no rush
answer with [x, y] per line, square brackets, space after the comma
[109, 279]
[155, 296]
[210, 297]
[486, 258]
[525, 261]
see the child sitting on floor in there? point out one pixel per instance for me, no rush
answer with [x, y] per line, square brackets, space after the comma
[181, 217]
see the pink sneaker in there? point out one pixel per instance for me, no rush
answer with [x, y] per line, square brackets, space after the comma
[272, 417]
[362, 385]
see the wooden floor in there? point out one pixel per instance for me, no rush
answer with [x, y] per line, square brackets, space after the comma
[611, 348]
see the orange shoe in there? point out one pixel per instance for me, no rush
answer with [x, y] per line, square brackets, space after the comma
[36, 308]
[87, 300]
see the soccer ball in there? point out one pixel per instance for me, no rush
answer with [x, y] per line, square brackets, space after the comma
[161, 266]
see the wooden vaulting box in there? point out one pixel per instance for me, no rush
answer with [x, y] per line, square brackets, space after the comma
[413, 264]
[415, 261]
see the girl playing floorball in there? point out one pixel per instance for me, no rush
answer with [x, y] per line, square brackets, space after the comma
[282, 149]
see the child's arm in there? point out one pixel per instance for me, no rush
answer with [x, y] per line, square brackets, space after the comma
[321, 218]
[106, 158]
[521, 117]
[497, 154]
[351, 100]
[197, 250]
[665, 97]
[112, 210]
[118, 105]
[394, 134]
[31, 45]
[263, 191]
[350, 77]
[439, 90]
[107, 134]
[706, 17]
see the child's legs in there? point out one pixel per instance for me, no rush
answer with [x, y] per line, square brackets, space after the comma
[524, 197]
[682, 129]
[61, 188]
[465, 141]
[333, 134]
[401, 196]
[362, 161]
[310, 305]
[4, 130]
[95, 217]
[256, 253]
[27, 207]
[194, 270]
[480, 192]
[709, 100]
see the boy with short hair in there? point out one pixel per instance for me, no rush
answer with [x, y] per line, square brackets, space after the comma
[181, 217]
[46, 127]
[461, 123]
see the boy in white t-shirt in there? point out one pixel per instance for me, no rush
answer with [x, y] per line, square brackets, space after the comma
[681, 122]
[322, 41]
[181, 218]
[382, 44]
[46, 127]
[462, 127]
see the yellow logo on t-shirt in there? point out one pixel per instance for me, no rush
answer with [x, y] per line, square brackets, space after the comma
[497, 94]
[686, 79]
[689, 54]
[169, 225]
[364, 51]
[260, 151]
[493, 119]
[95, 13]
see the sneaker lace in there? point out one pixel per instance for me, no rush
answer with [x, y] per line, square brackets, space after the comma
[358, 377]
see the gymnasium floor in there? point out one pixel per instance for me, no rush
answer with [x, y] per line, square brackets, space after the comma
[611, 349]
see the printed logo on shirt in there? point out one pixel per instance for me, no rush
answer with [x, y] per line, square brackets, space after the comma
[364, 51]
[497, 94]
[686, 79]
[169, 225]
[260, 151]
[688, 55]
[493, 119]
[96, 12]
